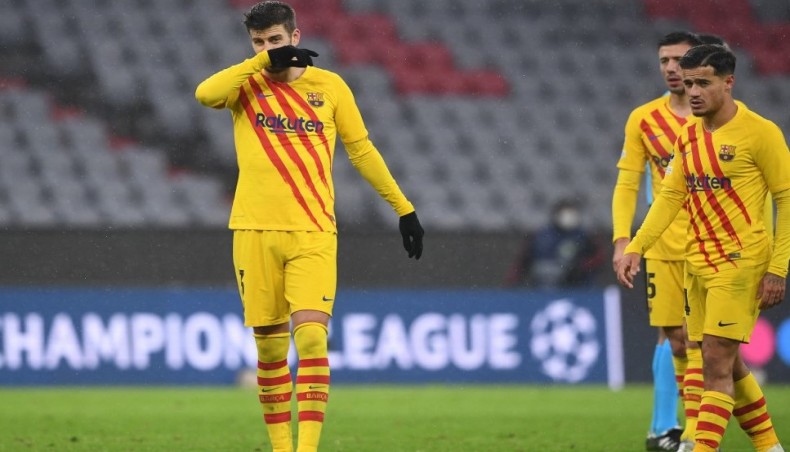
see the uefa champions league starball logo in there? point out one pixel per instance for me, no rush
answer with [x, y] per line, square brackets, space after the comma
[564, 341]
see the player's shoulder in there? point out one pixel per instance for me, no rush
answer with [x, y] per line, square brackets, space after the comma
[754, 119]
[650, 106]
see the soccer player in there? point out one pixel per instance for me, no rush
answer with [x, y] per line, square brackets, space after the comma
[286, 115]
[725, 164]
[650, 132]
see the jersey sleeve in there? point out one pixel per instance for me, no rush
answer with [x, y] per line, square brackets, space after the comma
[624, 200]
[633, 157]
[773, 159]
[661, 214]
[348, 119]
[368, 161]
[221, 90]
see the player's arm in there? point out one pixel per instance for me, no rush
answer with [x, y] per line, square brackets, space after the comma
[626, 190]
[368, 161]
[772, 286]
[624, 200]
[219, 90]
[773, 159]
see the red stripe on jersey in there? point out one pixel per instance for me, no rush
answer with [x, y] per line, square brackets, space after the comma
[692, 219]
[717, 170]
[655, 143]
[272, 366]
[309, 379]
[709, 196]
[274, 158]
[289, 111]
[277, 418]
[293, 94]
[311, 416]
[665, 127]
[314, 362]
[289, 149]
[274, 381]
[750, 407]
[714, 201]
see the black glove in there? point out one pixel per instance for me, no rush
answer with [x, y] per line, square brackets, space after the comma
[290, 56]
[412, 233]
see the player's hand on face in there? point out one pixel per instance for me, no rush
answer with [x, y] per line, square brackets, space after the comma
[290, 56]
[771, 291]
[619, 248]
[627, 269]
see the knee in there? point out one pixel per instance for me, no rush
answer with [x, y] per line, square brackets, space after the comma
[310, 340]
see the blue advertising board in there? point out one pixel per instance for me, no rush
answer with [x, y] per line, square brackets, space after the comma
[196, 336]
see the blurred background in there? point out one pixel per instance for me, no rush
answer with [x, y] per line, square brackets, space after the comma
[490, 114]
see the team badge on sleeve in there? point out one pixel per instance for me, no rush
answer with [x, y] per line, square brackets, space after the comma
[315, 99]
[726, 152]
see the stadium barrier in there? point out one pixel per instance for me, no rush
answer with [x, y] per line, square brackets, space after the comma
[63, 336]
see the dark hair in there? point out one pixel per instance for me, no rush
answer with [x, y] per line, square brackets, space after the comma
[721, 59]
[710, 38]
[679, 37]
[268, 14]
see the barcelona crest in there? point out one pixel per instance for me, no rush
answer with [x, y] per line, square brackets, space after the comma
[315, 99]
[726, 152]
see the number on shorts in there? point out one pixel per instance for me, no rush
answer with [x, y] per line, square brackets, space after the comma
[651, 286]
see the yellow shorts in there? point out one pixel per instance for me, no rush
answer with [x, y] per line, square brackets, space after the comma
[724, 304]
[664, 287]
[281, 272]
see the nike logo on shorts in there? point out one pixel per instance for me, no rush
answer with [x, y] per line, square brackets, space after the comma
[726, 324]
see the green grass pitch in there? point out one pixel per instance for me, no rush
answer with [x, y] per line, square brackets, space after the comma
[416, 418]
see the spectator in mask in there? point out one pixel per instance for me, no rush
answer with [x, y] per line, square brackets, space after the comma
[561, 254]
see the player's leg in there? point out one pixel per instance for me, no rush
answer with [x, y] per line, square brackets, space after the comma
[751, 409]
[693, 386]
[729, 318]
[310, 284]
[664, 298]
[260, 281]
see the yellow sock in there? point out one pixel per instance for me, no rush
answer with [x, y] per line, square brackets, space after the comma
[312, 383]
[715, 410]
[275, 388]
[752, 413]
[693, 386]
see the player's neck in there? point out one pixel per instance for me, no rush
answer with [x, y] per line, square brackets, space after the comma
[679, 104]
[721, 117]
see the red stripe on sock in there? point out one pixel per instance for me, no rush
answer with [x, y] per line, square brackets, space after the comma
[277, 418]
[750, 407]
[717, 410]
[756, 421]
[311, 416]
[314, 362]
[311, 396]
[710, 427]
[694, 384]
[274, 381]
[306, 379]
[272, 366]
[694, 371]
[274, 398]
[692, 413]
[761, 431]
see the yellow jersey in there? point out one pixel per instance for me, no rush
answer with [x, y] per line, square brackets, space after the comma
[650, 133]
[285, 142]
[723, 178]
